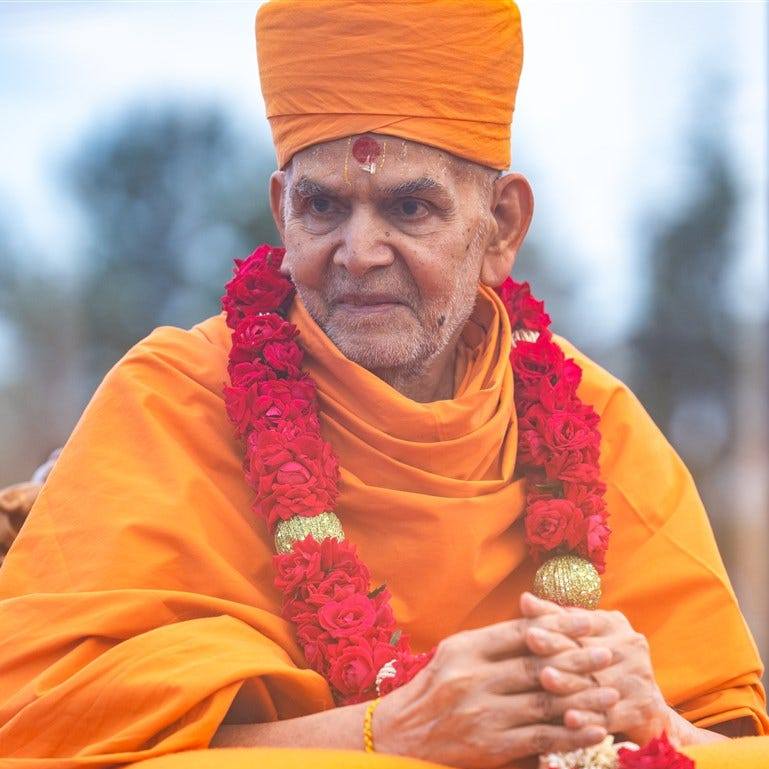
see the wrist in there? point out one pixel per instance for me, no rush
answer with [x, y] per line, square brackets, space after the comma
[383, 725]
[386, 725]
[683, 733]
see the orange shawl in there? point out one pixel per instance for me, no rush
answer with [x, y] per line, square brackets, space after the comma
[137, 604]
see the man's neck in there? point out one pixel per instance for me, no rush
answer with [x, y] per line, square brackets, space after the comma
[432, 380]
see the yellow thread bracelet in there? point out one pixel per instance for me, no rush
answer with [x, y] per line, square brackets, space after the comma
[368, 732]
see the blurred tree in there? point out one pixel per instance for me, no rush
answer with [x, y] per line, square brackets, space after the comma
[171, 195]
[36, 319]
[685, 342]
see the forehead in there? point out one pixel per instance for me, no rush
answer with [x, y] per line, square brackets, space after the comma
[374, 160]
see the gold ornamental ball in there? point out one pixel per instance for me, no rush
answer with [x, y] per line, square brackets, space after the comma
[568, 580]
[295, 529]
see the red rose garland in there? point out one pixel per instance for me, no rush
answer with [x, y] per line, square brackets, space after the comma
[656, 754]
[346, 630]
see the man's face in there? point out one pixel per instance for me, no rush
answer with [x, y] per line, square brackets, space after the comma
[387, 263]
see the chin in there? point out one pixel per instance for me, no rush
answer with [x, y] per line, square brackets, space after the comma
[383, 350]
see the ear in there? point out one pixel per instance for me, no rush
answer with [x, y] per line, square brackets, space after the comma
[512, 205]
[278, 181]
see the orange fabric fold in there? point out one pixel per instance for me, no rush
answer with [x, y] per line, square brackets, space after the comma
[439, 72]
[137, 604]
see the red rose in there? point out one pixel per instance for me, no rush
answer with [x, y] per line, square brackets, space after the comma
[314, 641]
[237, 407]
[565, 431]
[656, 754]
[524, 310]
[253, 333]
[339, 584]
[335, 587]
[575, 467]
[550, 523]
[532, 449]
[352, 616]
[586, 412]
[589, 498]
[352, 670]
[545, 377]
[312, 563]
[595, 541]
[560, 395]
[533, 361]
[298, 611]
[281, 400]
[292, 476]
[284, 357]
[570, 441]
[256, 286]
[300, 566]
[247, 373]
[560, 442]
[342, 557]
[270, 403]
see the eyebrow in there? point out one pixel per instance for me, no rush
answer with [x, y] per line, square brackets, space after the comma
[306, 187]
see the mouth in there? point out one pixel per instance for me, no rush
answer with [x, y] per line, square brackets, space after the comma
[360, 304]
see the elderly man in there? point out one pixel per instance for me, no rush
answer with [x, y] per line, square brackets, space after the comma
[313, 522]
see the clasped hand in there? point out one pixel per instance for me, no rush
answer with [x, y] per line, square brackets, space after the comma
[555, 680]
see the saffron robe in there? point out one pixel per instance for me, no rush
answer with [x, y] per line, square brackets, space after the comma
[137, 606]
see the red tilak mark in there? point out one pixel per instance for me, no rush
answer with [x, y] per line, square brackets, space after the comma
[366, 149]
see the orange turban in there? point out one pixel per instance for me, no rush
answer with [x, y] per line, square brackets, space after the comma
[439, 72]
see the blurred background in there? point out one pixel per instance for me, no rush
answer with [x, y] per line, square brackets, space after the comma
[135, 155]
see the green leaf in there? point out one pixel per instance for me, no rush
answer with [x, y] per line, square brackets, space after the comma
[374, 593]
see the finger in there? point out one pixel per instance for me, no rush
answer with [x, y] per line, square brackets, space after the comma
[575, 624]
[546, 643]
[633, 713]
[500, 640]
[523, 673]
[582, 660]
[556, 682]
[533, 606]
[546, 738]
[578, 719]
[540, 707]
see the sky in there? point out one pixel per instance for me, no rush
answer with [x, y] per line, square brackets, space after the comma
[605, 95]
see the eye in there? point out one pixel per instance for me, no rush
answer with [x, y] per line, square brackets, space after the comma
[320, 205]
[411, 208]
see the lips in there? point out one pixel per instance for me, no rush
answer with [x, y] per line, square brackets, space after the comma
[368, 300]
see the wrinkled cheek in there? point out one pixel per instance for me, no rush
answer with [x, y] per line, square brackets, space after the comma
[308, 265]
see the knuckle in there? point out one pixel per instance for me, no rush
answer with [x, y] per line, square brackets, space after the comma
[442, 648]
[530, 667]
[542, 740]
[455, 679]
[648, 707]
[620, 619]
[472, 713]
[542, 705]
[589, 700]
[640, 641]
[447, 648]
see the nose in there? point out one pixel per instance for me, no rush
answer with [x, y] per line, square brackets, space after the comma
[364, 244]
